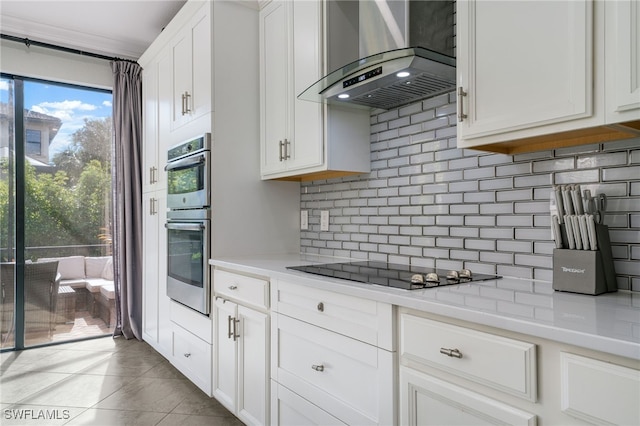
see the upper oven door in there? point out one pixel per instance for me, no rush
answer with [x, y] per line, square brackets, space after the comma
[188, 182]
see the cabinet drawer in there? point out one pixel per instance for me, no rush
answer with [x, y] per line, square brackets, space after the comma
[241, 288]
[494, 361]
[289, 409]
[192, 356]
[198, 324]
[351, 380]
[365, 320]
[599, 392]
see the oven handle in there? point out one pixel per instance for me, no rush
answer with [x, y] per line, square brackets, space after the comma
[185, 226]
[183, 163]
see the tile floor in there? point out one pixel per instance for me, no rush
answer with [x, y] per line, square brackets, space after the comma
[102, 381]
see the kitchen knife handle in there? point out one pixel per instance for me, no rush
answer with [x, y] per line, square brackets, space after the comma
[566, 198]
[576, 232]
[559, 204]
[555, 227]
[577, 200]
[569, 227]
[591, 228]
[582, 219]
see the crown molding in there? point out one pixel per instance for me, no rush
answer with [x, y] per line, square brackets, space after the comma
[69, 38]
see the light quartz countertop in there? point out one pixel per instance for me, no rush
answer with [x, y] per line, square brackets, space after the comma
[608, 322]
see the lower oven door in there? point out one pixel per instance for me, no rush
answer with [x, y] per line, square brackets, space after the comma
[187, 263]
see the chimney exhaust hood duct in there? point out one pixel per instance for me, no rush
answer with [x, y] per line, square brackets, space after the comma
[390, 73]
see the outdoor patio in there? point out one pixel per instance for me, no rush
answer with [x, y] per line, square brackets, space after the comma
[83, 326]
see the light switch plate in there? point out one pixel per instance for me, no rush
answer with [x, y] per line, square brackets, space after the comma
[304, 220]
[324, 220]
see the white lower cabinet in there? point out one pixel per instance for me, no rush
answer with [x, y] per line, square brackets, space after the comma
[191, 350]
[323, 366]
[599, 392]
[192, 356]
[426, 400]
[241, 364]
[434, 355]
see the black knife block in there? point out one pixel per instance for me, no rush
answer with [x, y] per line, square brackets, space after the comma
[585, 271]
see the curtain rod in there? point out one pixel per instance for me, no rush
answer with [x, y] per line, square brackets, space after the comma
[30, 43]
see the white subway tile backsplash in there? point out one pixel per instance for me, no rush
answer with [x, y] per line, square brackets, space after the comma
[427, 203]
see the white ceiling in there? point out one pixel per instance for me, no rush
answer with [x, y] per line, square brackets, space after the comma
[121, 28]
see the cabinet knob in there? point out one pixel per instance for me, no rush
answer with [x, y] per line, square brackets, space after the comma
[233, 287]
[454, 353]
[187, 355]
[318, 367]
[321, 307]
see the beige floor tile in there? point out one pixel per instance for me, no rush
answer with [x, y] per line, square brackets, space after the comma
[26, 414]
[78, 390]
[123, 363]
[187, 420]
[15, 386]
[164, 370]
[64, 361]
[197, 403]
[149, 394]
[103, 417]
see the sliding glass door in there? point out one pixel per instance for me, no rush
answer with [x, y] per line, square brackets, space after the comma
[55, 212]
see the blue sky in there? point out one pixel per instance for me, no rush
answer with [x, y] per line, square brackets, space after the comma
[71, 105]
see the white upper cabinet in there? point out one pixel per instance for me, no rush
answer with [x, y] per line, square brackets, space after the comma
[531, 75]
[191, 67]
[622, 58]
[302, 139]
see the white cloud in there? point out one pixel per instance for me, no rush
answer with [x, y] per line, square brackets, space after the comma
[4, 85]
[107, 104]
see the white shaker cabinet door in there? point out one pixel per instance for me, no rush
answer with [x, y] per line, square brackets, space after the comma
[523, 65]
[426, 400]
[275, 92]
[225, 369]
[622, 60]
[253, 369]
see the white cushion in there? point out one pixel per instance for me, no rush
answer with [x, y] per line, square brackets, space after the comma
[94, 284]
[94, 266]
[108, 291]
[69, 268]
[107, 272]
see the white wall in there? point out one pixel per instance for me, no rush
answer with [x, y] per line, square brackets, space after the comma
[48, 64]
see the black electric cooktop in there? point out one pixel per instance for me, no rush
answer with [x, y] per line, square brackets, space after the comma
[393, 275]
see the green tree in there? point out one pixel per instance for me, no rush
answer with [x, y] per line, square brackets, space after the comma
[91, 142]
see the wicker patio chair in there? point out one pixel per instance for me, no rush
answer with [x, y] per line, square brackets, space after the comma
[41, 296]
[7, 279]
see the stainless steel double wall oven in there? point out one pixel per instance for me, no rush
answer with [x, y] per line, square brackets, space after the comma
[188, 223]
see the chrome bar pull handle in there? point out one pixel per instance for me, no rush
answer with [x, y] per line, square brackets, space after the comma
[287, 144]
[229, 332]
[235, 329]
[152, 175]
[318, 367]
[281, 148]
[187, 110]
[182, 106]
[152, 206]
[454, 353]
[461, 114]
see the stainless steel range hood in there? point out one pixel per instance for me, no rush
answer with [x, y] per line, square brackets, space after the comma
[390, 74]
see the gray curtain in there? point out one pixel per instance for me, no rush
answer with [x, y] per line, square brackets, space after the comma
[127, 197]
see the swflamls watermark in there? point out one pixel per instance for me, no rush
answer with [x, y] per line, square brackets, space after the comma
[33, 414]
